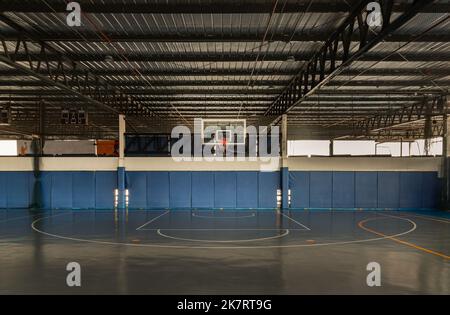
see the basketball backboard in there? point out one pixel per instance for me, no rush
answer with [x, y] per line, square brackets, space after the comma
[223, 131]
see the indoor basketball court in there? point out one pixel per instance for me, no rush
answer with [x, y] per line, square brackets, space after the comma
[248, 148]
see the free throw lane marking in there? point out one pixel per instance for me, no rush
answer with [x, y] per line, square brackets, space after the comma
[153, 220]
[222, 217]
[286, 232]
[295, 221]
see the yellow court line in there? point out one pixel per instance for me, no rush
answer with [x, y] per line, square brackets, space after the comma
[429, 251]
[427, 217]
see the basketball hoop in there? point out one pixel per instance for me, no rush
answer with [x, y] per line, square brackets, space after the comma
[224, 142]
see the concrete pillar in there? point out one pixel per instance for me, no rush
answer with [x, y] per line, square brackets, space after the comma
[122, 130]
[445, 159]
[121, 165]
[38, 150]
[284, 135]
[284, 164]
[428, 128]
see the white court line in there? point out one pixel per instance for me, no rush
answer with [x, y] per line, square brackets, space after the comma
[33, 226]
[222, 217]
[427, 217]
[29, 216]
[16, 218]
[286, 232]
[153, 220]
[220, 229]
[295, 221]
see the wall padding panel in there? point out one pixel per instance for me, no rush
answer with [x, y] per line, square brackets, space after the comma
[247, 189]
[343, 190]
[3, 190]
[225, 189]
[136, 183]
[105, 184]
[61, 195]
[366, 189]
[17, 189]
[299, 186]
[430, 190]
[321, 188]
[180, 189]
[83, 190]
[158, 189]
[46, 189]
[268, 183]
[202, 189]
[388, 189]
[411, 190]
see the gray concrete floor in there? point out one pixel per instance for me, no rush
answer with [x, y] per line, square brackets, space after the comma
[224, 252]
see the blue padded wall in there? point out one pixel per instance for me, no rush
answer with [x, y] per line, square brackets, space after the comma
[83, 190]
[61, 193]
[247, 189]
[366, 189]
[31, 187]
[225, 189]
[158, 189]
[202, 189]
[410, 190]
[343, 190]
[46, 189]
[3, 190]
[180, 189]
[430, 190]
[388, 190]
[17, 189]
[299, 186]
[268, 184]
[284, 187]
[105, 184]
[321, 188]
[136, 183]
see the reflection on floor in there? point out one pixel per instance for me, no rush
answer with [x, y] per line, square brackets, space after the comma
[224, 252]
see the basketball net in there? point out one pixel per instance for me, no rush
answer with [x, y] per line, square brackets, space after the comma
[224, 144]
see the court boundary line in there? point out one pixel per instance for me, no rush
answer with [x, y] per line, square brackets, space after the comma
[153, 220]
[211, 229]
[62, 237]
[427, 217]
[304, 227]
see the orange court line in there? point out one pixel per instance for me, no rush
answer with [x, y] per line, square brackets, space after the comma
[429, 251]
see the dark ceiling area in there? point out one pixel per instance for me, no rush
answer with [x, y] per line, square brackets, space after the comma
[164, 63]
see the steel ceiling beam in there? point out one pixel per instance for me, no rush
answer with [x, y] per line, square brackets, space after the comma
[399, 117]
[327, 62]
[101, 94]
[243, 72]
[189, 37]
[206, 91]
[218, 83]
[233, 56]
[217, 7]
[327, 92]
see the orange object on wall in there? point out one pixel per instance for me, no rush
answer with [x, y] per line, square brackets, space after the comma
[107, 147]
